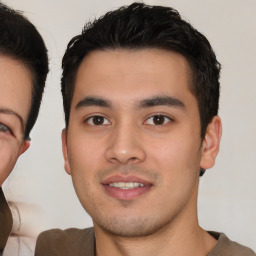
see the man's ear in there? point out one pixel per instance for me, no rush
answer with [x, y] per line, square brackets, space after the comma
[25, 145]
[65, 151]
[211, 143]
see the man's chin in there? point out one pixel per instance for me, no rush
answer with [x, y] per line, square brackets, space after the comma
[136, 227]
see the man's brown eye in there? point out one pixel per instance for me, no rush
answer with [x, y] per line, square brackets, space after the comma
[98, 120]
[159, 120]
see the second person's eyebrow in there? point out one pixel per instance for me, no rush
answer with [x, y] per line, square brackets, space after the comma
[13, 113]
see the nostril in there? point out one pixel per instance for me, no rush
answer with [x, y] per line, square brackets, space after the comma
[132, 159]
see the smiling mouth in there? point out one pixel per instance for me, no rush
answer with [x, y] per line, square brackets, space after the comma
[126, 188]
[126, 185]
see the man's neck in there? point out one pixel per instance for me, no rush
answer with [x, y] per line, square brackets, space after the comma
[181, 241]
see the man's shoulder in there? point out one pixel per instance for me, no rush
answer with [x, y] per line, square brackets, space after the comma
[227, 247]
[69, 242]
[67, 235]
[243, 250]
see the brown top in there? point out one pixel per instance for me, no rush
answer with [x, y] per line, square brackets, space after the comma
[227, 247]
[5, 221]
[81, 242]
[70, 242]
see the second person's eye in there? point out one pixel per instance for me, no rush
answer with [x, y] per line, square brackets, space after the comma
[4, 128]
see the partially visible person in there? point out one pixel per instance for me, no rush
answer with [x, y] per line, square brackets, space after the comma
[23, 71]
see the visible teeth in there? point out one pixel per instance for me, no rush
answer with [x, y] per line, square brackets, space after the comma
[126, 185]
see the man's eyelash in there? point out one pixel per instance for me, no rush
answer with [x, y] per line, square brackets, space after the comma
[159, 119]
[94, 120]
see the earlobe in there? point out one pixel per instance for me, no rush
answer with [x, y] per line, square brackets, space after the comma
[211, 143]
[65, 151]
[25, 146]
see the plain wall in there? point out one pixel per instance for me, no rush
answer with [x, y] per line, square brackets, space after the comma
[227, 194]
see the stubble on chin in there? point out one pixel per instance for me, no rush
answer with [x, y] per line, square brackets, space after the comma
[129, 227]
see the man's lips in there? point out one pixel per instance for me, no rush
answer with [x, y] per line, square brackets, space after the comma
[126, 179]
[126, 187]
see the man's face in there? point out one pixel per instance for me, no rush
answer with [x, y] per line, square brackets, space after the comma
[15, 98]
[133, 146]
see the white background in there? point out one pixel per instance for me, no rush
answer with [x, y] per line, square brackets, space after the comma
[227, 194]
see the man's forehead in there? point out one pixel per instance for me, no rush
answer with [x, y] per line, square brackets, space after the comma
[131, 62]
[131, 74]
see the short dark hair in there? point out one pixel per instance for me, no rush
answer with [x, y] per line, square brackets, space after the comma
[19, 39]
[140, 26]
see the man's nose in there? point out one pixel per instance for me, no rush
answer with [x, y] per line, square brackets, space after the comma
[125, 145]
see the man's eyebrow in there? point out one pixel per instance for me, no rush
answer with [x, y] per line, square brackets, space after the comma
[161, 101]
[93, 101]
[11, 112]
